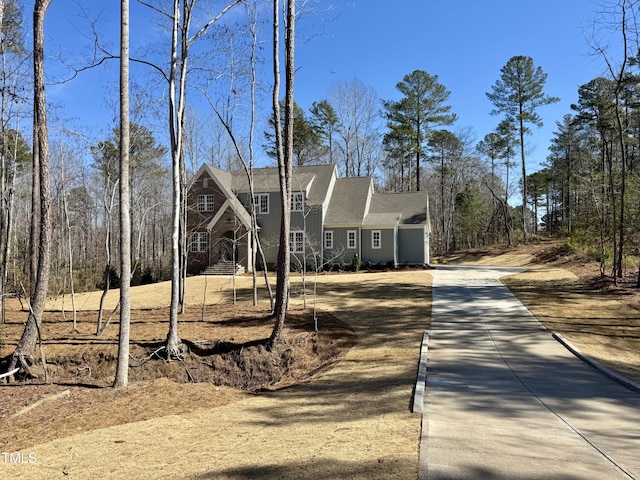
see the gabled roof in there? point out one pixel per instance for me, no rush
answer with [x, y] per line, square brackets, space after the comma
[349, 201]
[266, 180]
[387, 219]
[352, 201]
[235, 205]
[321, 184]
[313, 179]
[222, 178]
[224, 181]
[408, 208]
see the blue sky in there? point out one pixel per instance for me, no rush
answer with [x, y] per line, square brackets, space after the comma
[465, 43]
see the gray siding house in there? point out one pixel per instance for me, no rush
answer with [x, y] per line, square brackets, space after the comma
[332, 218]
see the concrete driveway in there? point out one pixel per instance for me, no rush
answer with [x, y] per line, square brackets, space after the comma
[505, 400]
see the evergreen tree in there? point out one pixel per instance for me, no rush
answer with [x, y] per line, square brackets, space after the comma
[326, 123]
[307, 139]
[398, 159]
[422, 108]
[518, 94]
[446, 148]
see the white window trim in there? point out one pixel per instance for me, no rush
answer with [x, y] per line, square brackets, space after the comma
[376, 244]
[328, 239]
[297, 201]
[257, 202]
[294, 243]
[352, 243]
[199, 242]
[206, 203]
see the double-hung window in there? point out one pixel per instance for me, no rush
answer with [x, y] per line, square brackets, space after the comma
[296, 241]
[328, 239]
[376, 239]
[205, 203]
[351, 239]
[297, 201]
[198, 242]
[261, 203]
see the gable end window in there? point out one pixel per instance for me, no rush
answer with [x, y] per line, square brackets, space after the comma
[351, 239]
[297, 201]
[261, 203]
[198, 242]
[296, 241]
[376, 239]
[206, 203]
[328, 239]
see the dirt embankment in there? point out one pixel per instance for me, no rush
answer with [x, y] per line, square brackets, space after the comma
[352, 420]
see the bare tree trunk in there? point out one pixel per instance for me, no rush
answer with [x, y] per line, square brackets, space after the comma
[621, 131]
[285, 158]
[107, 269]
[173, 340]
[183, 230]
[255, 240]
[180, 39]
[1, 17]
[69, 246]
[41, 213]
[122, 368]
[5, 225]
[7, 215]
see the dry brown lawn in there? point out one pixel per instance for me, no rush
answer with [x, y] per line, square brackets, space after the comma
[345, 419]
[338, 408]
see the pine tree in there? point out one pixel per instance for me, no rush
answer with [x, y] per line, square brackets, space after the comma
[518, 94]
[421, 109]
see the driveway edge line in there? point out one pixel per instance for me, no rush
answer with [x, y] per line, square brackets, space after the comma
[596, 364]
[421, 381]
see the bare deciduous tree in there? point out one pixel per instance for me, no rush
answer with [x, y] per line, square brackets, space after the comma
[284, 149]
[357, 140]
[122, 368]
[41, 201]
[181, 42]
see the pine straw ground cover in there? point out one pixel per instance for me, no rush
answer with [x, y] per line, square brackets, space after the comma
[348, 416]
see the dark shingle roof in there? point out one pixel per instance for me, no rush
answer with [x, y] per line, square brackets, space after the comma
[312, 178]
[349, 201]
[411, 207]
[348, 204]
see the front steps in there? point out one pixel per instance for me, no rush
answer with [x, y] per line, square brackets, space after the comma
[224, 267]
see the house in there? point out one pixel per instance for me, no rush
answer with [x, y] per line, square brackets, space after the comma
[332, 218]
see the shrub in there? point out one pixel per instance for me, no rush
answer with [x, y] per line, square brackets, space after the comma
[141, 276]
[114, 279]
[355, 265]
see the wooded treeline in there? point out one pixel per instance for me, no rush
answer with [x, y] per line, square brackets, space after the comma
[587, 189]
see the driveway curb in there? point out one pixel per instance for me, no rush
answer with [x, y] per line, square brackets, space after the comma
[621, 379]
[421, 382]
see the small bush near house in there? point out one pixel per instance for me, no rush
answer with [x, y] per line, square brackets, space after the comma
[355, 265]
